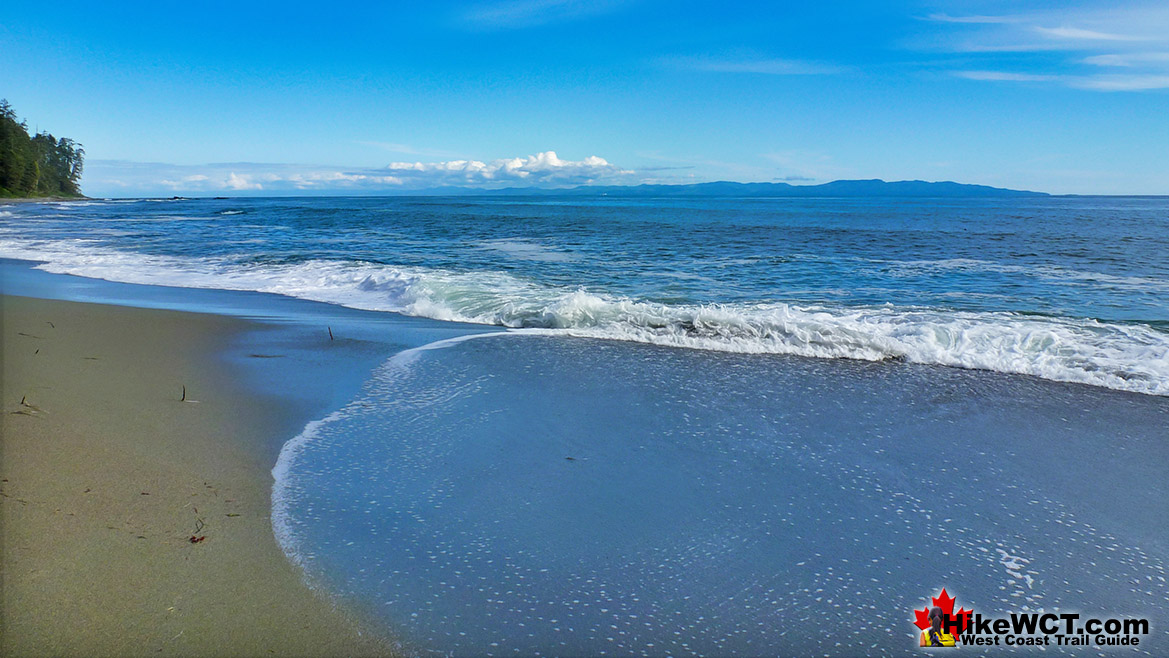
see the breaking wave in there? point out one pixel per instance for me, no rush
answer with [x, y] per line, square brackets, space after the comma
[1130, 357]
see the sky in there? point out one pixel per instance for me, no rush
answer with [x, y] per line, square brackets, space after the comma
[257, 98]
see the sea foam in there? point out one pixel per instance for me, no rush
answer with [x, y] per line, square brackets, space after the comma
[1131, 357]
[284, 485]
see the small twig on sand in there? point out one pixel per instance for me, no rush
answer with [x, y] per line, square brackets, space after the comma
[28, 409]
[183, 397]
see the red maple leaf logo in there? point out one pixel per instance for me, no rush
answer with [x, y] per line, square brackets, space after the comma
[946, 603]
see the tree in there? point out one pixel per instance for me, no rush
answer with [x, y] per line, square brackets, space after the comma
[37, 166]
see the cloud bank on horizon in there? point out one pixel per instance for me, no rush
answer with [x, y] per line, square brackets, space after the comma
[546, 169]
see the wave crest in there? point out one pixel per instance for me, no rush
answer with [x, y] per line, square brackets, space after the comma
[1130, 357]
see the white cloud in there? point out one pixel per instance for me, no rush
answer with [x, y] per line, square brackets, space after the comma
[121, 178]
[1121, 25]
[1129, 59]
[1131, 35]
[1122, 82]
[236, 182]
[541, 169]
[1078, 33]
[1089, 82]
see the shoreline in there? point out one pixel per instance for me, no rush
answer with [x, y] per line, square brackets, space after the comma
[40, 199]
[107, 475]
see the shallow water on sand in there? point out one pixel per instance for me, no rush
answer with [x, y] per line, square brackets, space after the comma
[529, 494]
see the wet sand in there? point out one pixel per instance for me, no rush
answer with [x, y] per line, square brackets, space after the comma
[107, 474]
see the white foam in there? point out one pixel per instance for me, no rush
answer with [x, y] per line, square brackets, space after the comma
[283, 486]
[1130, 357]
[282, 524]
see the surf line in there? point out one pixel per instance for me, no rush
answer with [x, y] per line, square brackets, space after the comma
[282, 524]
[406, 357]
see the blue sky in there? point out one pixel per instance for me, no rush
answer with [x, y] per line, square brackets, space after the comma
[307, 98]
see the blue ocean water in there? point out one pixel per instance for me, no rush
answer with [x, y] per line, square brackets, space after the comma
[711, 426]
[1065, 289]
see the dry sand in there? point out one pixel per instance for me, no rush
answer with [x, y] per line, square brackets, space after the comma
[106, 477]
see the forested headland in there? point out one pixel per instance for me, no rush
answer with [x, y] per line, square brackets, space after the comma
[39, 165]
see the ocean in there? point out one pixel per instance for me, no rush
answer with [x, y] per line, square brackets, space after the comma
[692, 426]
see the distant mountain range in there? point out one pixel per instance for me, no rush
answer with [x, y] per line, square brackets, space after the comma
[840, 188]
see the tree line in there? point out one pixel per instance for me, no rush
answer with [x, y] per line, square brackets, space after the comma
[38, 165]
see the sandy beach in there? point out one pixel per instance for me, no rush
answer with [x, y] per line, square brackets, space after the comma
[107, 475]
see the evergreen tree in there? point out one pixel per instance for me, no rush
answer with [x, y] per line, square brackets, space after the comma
[36, 166]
